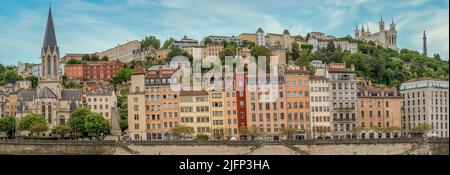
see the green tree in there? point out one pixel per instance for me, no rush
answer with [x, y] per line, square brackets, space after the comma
[251, 132]
[123, 75]
[8, 125]
[150, 41]
[168, 43]
[10, 76]
[330, 46]
[34, 123]
[86, 57]
[96, 126]
[420, 129]
[73, 61]
[176, 51]
[307, 47]
[202, 137]
[62, 131]
[105, 58]
[181, 131]
[122, 103]
[77, 121]
[288, 132]
[230, 50]
[34, 80]
[207, 40]
[295, 53]
[260, 51]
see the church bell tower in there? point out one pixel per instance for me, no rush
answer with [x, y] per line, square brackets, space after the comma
[50, 52]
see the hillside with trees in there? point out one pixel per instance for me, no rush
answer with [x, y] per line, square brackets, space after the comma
[383, 67]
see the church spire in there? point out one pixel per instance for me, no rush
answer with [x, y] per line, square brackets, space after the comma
[50, 36]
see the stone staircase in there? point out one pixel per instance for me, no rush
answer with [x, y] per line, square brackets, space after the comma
[415, 147]
[297, 150]
[115, 125]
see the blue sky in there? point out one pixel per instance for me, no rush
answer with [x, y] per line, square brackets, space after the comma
[84, 26]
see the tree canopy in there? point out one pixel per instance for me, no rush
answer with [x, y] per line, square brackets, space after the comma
[34, 123]
[7, 124]
[168, 43]
[150, 41]
[181, 131]
[88, 124]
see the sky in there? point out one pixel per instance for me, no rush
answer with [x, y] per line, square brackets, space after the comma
[84, 26]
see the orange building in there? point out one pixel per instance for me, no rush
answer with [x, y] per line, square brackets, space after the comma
[297, 102]
[74, 71]
[378, 112]
[266, 108]
[161, 104]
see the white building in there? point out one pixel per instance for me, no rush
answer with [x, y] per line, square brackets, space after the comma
[322, 43]
[320, 107]
[36, 70]
[425, 101]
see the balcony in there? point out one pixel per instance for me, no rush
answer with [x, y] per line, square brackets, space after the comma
[344, 120]
[345, 109]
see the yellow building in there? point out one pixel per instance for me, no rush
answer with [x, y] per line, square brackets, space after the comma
[217, 100]
[251, 37]
[195, 111]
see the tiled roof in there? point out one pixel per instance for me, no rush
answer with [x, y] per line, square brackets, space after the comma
[71, 94]
[46, 93]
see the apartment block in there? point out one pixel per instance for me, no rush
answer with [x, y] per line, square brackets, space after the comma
[298, 102]
[320, 107]
[378, 112]
[122, 52]
[195, 111]
[161, 103]
[342, 83]
[425, 101]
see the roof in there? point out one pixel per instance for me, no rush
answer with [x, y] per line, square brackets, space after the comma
[50, 36]
[260, 30]
[341, 70]
[423, 79]
[138, 70]
[71, 94]
[27, 95]
[46, 93]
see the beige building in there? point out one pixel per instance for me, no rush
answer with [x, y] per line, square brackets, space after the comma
[195, 111]
[425, 101]
[342, 83]
[378, 108]
[122, 52]
[218, 112]
[101, 100]
[384, 38]
[136, 110]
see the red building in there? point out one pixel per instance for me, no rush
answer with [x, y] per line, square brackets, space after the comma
[101, 70]
[93, 70]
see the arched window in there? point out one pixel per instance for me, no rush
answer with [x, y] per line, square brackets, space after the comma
[55, 66]
[43, 109]
[49, 66]
[49, 113]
